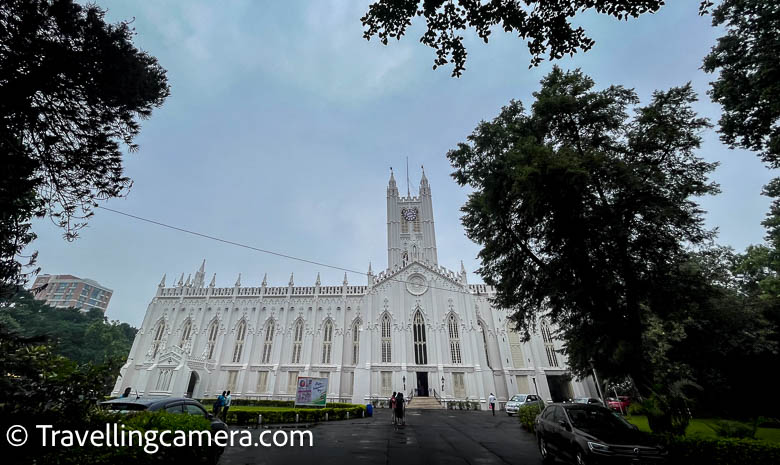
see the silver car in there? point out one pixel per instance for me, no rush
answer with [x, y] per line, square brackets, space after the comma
[519, 400]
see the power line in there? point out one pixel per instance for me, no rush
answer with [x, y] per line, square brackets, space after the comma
[258, 249]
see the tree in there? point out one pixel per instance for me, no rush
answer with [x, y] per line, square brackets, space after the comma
[748, 83]
[545, 24]
[584, 215]
[72, 89]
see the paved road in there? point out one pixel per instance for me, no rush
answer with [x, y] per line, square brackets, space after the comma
[430, 437]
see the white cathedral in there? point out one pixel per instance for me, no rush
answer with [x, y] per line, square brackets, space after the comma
[415, 327]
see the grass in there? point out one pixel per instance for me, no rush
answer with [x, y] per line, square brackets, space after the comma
[700, 427]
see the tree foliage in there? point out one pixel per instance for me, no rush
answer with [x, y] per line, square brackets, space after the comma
[584, 214]
[82, 337]
[747, 59]
[72, 89]
[545, 24]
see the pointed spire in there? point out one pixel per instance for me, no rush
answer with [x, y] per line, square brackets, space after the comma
[181, 280]
[238, 281]
[345, 279]
[213, 280]
[162, 282]
[317, 282]
[424, 187]
[292, 282]
[462, 268]
[202, 268]
[370, 271]
[392, 189]
[189, 280]
[265, 280]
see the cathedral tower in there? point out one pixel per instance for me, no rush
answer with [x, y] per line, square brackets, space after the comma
[410, 231]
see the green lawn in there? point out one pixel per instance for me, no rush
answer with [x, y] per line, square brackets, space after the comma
[700, 426]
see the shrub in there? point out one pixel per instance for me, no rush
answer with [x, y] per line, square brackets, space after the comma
[527, 415]
[248, 415]
[723, 451]
[732, 429]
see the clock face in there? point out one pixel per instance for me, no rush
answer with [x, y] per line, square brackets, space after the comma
[409, 214]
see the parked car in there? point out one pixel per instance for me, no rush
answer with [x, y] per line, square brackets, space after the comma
[180, 405]
[619, 404]
[587, 400]
[518, 400]
[592, 434]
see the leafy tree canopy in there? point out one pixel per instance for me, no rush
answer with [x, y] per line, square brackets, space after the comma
[72, 89]
[584, 210]
[545, 24]
[747, 59]
[83, 337]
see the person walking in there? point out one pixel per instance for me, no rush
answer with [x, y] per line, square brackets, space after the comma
[226, 407]
[392, 407]
[492, 402]
[399, 409]
[218, 404]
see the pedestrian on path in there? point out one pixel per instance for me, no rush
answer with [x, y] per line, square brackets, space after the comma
[226, 407]
[492, 402]
[392, 407]
[218, 404]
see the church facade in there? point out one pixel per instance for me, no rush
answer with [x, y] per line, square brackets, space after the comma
[415, 327]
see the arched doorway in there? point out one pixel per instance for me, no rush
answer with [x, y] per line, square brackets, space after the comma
[194, 378]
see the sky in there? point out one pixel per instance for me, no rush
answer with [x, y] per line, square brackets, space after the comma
[283, 123]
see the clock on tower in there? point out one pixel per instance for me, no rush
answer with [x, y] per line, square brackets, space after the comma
[409, 214]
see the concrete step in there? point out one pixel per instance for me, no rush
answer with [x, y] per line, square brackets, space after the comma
[424, 403]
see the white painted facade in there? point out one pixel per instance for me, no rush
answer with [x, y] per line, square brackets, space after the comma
[414, 323]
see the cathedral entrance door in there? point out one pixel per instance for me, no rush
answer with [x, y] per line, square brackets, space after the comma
[422, 383]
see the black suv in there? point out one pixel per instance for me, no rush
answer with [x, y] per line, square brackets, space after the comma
[592, 434]
[180, 405]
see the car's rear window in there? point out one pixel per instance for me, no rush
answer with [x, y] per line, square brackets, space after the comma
[594, 418]
[129, 407]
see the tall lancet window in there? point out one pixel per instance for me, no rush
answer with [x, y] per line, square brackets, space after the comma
[158, 337]
[297, 342]
[238, 349]
[386, 342]
[484, 342]
[454, 339]
[269, 341]
[515, 347]
[549, 346]
[355, 342]
[420, 352]
[212, 341]
[327, 341]
[185, 333]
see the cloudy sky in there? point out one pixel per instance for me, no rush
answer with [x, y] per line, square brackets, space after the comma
[283, 122]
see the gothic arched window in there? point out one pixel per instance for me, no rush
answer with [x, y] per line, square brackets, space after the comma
[269, 341]
[386, 346]
[212, 340]
[355, 341]
[327, 341]
[158, 336]
[297, 342]
[240, 336]
[420, 352]
[185, 333]
[452, 326]
[549, 346]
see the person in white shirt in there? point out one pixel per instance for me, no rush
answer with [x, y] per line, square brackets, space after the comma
[226, 407]
[492, 402]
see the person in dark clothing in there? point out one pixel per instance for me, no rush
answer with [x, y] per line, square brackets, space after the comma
[126, 393]
[226, 406]
[219, 403]
[399, 408]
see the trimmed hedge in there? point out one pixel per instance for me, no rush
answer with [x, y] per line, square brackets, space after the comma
[251, 402]
[722, 451]
[248, 415]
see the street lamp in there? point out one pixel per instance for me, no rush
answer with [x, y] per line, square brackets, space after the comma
[404, 380]
[442, 384]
